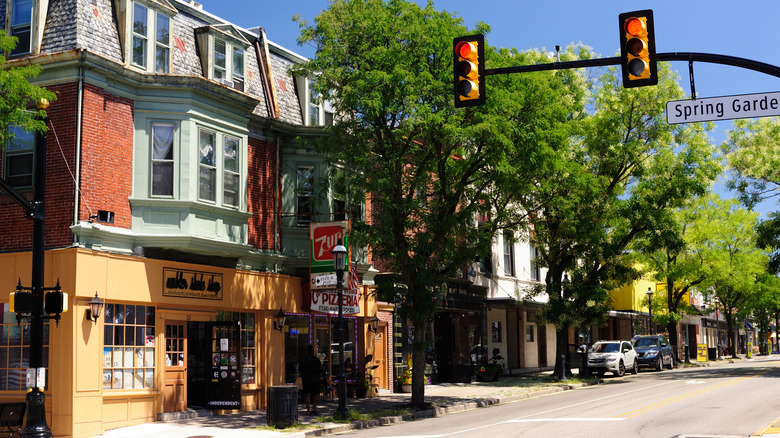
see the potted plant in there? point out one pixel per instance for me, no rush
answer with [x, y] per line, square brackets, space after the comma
[362, 385]
[404, 380]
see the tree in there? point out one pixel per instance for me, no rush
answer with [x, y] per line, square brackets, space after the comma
[672, 256]
[733, 262]
[432, 172]
[623, 175]
[766, 309]
[17, 93]
[753, 153]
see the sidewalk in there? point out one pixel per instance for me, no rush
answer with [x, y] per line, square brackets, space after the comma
[441, 399]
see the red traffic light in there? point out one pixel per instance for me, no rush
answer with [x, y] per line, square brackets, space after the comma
[635, 26]
[637, 49]
[469, 70]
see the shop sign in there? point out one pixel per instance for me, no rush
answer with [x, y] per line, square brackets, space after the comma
[323, 236]
[328, 302]
[192, 284]
[701, 352]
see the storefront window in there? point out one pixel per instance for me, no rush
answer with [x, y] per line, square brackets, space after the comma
[15, 350]
[248, 356]
[320, 331]
[297, 335]
[128, 346]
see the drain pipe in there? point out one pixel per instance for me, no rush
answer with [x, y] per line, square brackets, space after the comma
[79, 123]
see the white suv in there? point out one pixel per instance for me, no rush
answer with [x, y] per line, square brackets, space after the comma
[613, 356]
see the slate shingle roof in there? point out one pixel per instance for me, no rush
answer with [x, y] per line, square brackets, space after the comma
[93, 25]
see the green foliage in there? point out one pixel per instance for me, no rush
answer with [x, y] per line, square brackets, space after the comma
[753, 154]
[17, 94]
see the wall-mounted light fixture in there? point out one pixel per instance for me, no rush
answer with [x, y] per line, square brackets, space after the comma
[373, 324]
[95, 308]
[279, 320]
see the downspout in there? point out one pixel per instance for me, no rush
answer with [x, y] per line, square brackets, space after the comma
[79, 122]
[276, 196]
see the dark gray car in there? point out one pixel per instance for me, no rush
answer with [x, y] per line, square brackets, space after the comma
[654, 351]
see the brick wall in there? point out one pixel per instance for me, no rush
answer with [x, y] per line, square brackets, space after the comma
[106, 168]
[15, 229]
[106, 155]
[261, 178]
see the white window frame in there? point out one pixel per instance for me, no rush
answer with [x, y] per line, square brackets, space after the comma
[231, 170]
[163, 155]
[509, 255]
[207, 164]
[17, 28]
[216, 165]
[153, 40]
[228, 72]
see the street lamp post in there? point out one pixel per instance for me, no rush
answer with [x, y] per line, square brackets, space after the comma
[339, 257]
[650, 308]
[717, 325]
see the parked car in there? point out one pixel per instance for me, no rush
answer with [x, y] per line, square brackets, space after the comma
[613, 356]
[654, 351]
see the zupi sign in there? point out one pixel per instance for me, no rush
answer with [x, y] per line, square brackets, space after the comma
[723, 108]
[192, 284]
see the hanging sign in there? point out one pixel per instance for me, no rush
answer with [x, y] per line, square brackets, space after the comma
[327, 301]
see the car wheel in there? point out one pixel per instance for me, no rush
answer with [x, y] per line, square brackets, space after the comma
[670, 365]
[659, 365]
[621, 371]
[635, 369]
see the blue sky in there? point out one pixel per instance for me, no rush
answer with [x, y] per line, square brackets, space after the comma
[746, 29]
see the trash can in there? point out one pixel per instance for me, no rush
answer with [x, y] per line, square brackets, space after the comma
[712, 352]
[282, 406]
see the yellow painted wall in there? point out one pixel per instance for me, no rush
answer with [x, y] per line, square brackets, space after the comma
[77, 405]
[633, 297]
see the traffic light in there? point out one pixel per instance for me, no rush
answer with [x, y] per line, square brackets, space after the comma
[21, 302]
[55, 302]
[469, 68]
[637, 49]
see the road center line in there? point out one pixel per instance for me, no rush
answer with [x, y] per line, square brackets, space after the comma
[669, 401]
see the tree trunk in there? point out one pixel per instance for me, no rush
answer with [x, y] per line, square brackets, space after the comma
[418, 365]
[562, 359]
[672, 328]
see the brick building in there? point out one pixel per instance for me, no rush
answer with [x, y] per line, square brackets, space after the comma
[173, 158]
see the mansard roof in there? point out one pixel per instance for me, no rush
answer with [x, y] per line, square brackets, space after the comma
[95, 26]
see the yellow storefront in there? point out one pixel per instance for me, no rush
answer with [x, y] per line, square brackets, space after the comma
[133, 363]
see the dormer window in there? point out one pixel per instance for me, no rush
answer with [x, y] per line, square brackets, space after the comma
[145, 32]
[318, 112]
[222, 54]
[21, 24]
[151, 39]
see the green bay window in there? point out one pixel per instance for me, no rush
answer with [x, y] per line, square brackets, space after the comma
[231, 180]
[207, 180]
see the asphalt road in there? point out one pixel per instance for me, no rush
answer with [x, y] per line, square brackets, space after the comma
[730, 400]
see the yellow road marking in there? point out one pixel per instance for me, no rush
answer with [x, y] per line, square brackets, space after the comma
[669, 401]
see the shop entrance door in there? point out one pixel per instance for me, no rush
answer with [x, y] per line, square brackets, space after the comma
[380, 356]
[175, 385]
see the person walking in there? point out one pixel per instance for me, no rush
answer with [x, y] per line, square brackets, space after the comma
[310, 379]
